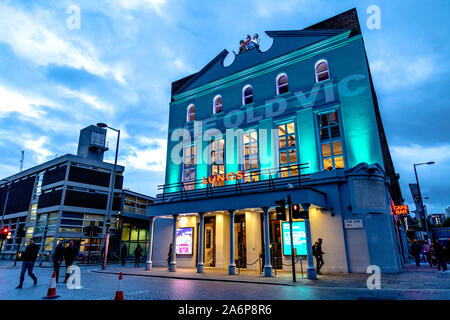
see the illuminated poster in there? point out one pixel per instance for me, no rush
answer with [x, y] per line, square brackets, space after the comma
[298, 232]
[184, 240]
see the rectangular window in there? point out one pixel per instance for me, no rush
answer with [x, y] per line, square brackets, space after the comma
[250, 156]
[217, 166]
[189, 167]
[330, 141]
[288, 149]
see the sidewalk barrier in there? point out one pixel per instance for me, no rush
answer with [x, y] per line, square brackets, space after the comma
[119, 292]
[51, 293]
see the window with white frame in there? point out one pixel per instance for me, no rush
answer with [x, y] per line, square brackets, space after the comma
[217, 166]
[217, 104]
[282, 84]
[191, 113]
[330, 141]
[189, 167]
[321, 70]
[247, 95]
[287, 149]
[250, 155]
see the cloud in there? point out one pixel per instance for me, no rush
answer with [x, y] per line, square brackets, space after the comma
[407, 155]
[32, 40]
[139, 4]
[152, 157]
[89, 99]
[28, 106]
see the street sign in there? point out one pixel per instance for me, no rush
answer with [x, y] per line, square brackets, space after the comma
[353, 224]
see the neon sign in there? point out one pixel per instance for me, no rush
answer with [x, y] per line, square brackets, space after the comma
[402, 209]
[230, 176]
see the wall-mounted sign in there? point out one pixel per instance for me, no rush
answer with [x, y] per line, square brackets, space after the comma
[353, 224]
[184, 241]
[299, 234]
[402, 209]
[230, 176]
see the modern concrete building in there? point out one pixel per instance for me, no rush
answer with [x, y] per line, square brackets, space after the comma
[300, 119]
[60, 198]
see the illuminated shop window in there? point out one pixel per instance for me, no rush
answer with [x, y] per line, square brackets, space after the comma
[247, 95]
[191, 113]
[189, 167]
[330, 141]
[288, 150]
[217, 161]
[321, 70]
[282, 84]
[250, 151]
[217, 104]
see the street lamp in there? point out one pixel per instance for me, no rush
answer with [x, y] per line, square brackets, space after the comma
[424, 219]
[111, 193]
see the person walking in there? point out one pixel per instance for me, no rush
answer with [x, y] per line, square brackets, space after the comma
[447, 250]
[427, 252]
[440, 255]
[29, 257]
[58, 257]
[318, 253]
[137, 255]
[415, 251]
[123, 254]
[169, 255]
[70, 253]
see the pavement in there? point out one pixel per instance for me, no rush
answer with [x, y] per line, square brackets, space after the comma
[186, 284]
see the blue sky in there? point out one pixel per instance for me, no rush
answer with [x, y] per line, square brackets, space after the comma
[118, 67]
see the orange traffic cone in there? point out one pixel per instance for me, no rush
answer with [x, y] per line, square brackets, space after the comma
[119, 292]
[51, 293]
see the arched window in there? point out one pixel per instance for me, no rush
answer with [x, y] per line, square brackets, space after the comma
[217, 104]
[191, 113]
[247, 95]
[321, 70]
[282, 84]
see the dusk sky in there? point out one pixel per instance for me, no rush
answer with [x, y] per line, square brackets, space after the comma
[118, 67]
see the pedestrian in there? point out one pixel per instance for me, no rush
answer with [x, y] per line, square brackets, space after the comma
[440, 255]
[447, 250]
[427, 252]
[415, 251]
[29, 257]
[123, 254]
[58, 257]
[137, 255]
[169, 255]
[318, 253]
[70, 253]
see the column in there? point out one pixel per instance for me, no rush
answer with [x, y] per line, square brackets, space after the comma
[267, 262]
[200, 243]
[310, 271]
[232, 266]
[148, 265]
[173, 262]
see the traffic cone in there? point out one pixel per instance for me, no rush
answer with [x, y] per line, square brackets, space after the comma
[119, 292]
[51, 293]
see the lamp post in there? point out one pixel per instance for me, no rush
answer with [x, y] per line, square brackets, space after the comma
[111, 194]
[424, 219]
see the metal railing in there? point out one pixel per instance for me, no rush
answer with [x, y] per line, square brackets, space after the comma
[256, 180]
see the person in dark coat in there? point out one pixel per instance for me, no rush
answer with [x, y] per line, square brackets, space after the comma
[58, 257]
[440, 255]
[318, 253]
[415, 251]
[447, 250]
[29, 257]
[123, 254]
[70, 253]
[137, 255]
[169, 255]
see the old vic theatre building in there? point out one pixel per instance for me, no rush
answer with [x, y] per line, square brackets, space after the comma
[299, 119]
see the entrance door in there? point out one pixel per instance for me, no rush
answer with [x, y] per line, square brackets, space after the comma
[275, 244]
[210, 241]
[240, 241]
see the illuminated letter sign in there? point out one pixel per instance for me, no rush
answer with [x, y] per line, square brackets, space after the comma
[402, 209]
[222, 177]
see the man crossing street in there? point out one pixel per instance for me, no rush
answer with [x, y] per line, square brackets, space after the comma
[29, 257]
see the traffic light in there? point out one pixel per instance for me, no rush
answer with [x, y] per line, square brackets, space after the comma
[4, 233]
[297, 214]
[281, 209]
[9, 235]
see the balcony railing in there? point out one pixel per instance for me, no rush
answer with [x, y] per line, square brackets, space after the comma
[258, 181]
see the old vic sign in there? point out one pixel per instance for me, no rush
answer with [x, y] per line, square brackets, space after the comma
[222, 177]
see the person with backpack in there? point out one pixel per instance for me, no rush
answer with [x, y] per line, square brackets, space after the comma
[318, 254]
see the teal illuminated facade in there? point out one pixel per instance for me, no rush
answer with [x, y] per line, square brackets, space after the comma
[302, 119]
